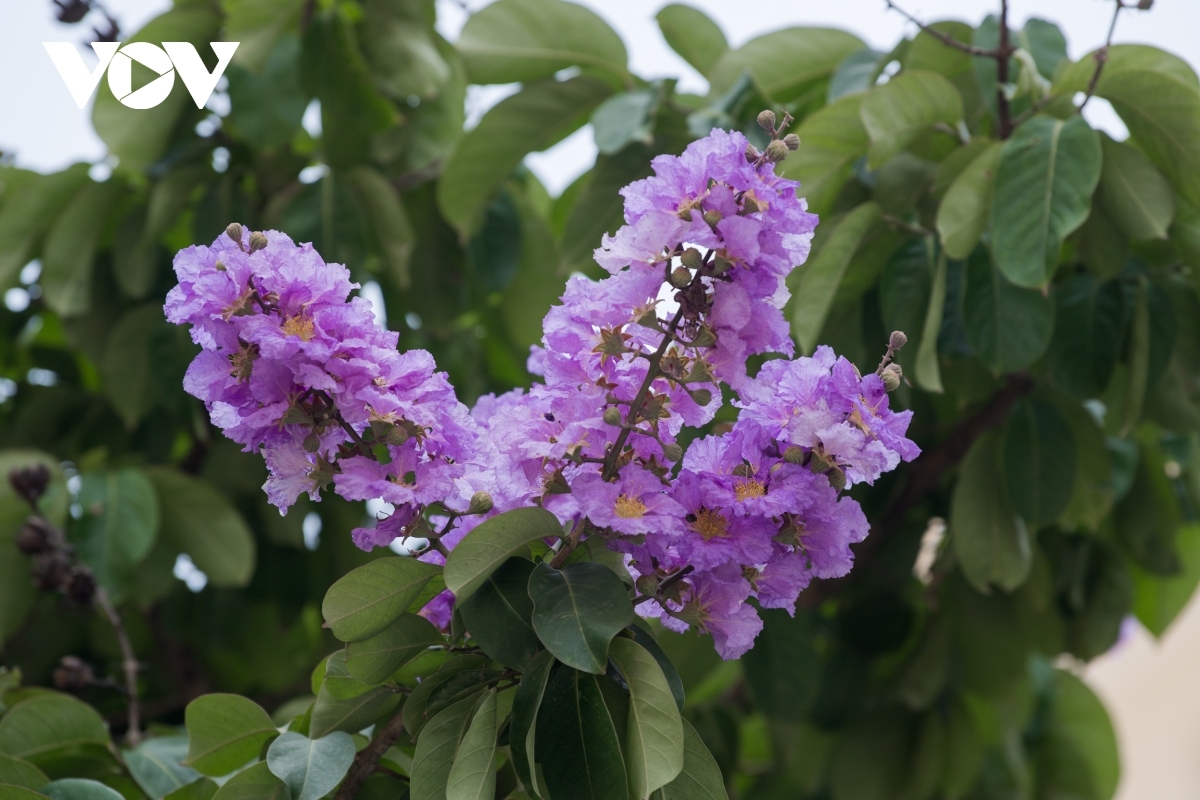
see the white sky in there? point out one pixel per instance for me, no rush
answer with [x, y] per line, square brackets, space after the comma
[41, 125]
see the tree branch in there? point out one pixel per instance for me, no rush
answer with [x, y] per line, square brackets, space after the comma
[368, 758]
[129, 665]
[1004, 51]
[1101, 55]
[946, 39]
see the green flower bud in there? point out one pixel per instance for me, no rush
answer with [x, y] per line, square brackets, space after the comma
[776, 151]
[672, 452]
[712, 218]
[766, 120]
[681, 277]
[647, 585]
[792, 141]
[481, 503]
[312, 443]
[721, 265]
[837, 479]
[794, 455]
[220, 266]
[612, 415]
[702, 397]
[897, 340]
[705, 338]
[891, 377]
[752, 153]
[234, 231]
[692, 259]
[258, 240]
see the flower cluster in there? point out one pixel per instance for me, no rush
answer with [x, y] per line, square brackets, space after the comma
[293, 367]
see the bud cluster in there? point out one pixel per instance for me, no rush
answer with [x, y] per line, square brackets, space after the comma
[55, 567]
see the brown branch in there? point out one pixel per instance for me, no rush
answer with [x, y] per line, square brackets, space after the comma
[367, 759]
[946, 39]
[129, 665]
[1101, 55]
[1005, 49]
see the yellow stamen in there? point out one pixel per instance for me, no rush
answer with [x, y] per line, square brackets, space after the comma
[751, 488]
[710, 523]
[630, 507]
[298, 325]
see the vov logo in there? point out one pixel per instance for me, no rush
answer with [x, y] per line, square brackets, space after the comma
[172, 57]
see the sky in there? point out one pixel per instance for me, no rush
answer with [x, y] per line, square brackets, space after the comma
[41, 128]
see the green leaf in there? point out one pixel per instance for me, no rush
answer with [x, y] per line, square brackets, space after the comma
[131, 368]
[1089, 322]
[79, 789]
[335, 676]
[1158, 599]
[334, 70]
[816, 283]
[330, 714]
[157, 765]
[574, 725]
[257, 24]
[138, 137]
[70, 247]
[854, 74]
[928, 53]
[964, 211]
[899, 111]
[700, 778]
[268, 105]
[373, 660]
[1009, 327]
[493, 542]
[203, 789]
[403, 51]
[654, 737]
[436, 749]
[521, 40]
[1155, 94]
[19, 793]
[540, 115]
[598, 209]
[693, 35]
[366, 600]
[1044, 183]
[783, 62]
[389, 221]
[1093, 493]
[625, 118]
[253, 783]
[39, 725]
[990, 539]
[783, 649]
[535, 287]
[651, 646]
[523, 728]
[15, 772]
[422, 705]
[121, 524]
[1039, 461]
[498, 615]
[1148, 517]
[198, 520]
[224, 732]
[310, 768]
[473, 774]
[928, 372]
[1134, 192]
[833, 139]
[1081, 721]
[28, 212]
[577, 611]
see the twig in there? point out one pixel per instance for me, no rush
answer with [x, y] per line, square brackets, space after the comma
[129, 664]
[367, 760]
[896, 222]
[944, 38]
[1003, 52]
[1101, 55]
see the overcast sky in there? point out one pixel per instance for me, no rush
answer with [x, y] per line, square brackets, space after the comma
[41, 125]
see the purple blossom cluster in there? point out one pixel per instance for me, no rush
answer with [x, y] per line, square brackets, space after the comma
[292, 366]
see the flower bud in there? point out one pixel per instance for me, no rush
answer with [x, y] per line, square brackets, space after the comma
[50, 570]
[897, 340]
[776, 151]
[891, 376]
[34, 537]
[752, 153]
[234, 231]
[258, 241]
[692, 259]
[312, 443]
[681, 277]
[647, 585]
[80, 587]
[29, 482]
[794, 454]
[792, 141]
[481, 503]
[702, 397]
[712, 218]
[705, 338]
[612, 415]
[721, 265]
[73, 674]
[837, 478]
[766, 120]
[219, 266]
[672, 452]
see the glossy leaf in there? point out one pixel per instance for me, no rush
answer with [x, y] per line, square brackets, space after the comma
[202, 789]
[1134, 192]
[700, 778]
[897, 112]
[473, 774]
[990, 539]
[366, 600]
[39, 725]
[79, 789]
[224, 732]
[198, 520]
[15, 772]
[436, 749]
[331, 714]
[1044, 183]
[651, 646]
[121, 525]
[577, 611]
[928, 372]
[654, 737]
[337, 678]
[1158, 599]
[310, 768]
[574, 724]
[693, 35]
[623, 119]
[498, 615]
[19, 793]
[964, 211]
[523, 729]
[928, 53]
[157, 765]
[455, 679]
[493, 542]
[1039, 461]
[254, 783]
[783, 62]
[1009, 327]
[373, 660]
[833, 139]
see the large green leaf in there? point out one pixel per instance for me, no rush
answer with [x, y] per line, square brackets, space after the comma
[138, 137]
[928, 373]
[131, 368]
[403, 51]
[393, 234]
[28, 212]
[833, 138]
[350, 715]
[1044, 183]
[498, 614]
[70, 247]
[366, 600]
[473, 774]
[79, 789]
[783, 62]
[990, 539]
[693, 35]
[39, 725]
[202, 789]
[120, 526]
[257, 25]
[1089, 322]
[964, 211]
[198, 520]
[520, 40]
[1039, 461]
[538, 116]
[700, 778]
[1080, 724]
[19, 793]
[268, 107]
[523, 729]
[574, 724]
[1009, 327]
[493, 542]
[577, 611]
[436, 749]
[537, 283]
[1134, 192]
[1148, 518]
[1158, 599]
[455, 679]
[157, 765]
[310, 768]
[654, 736]
[928, 53]
[899, 111]
[14, 772]
[1093, 493]
[1155, 93]
[816, 283]
[253, 783]
[374, 659]
[224, 732]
